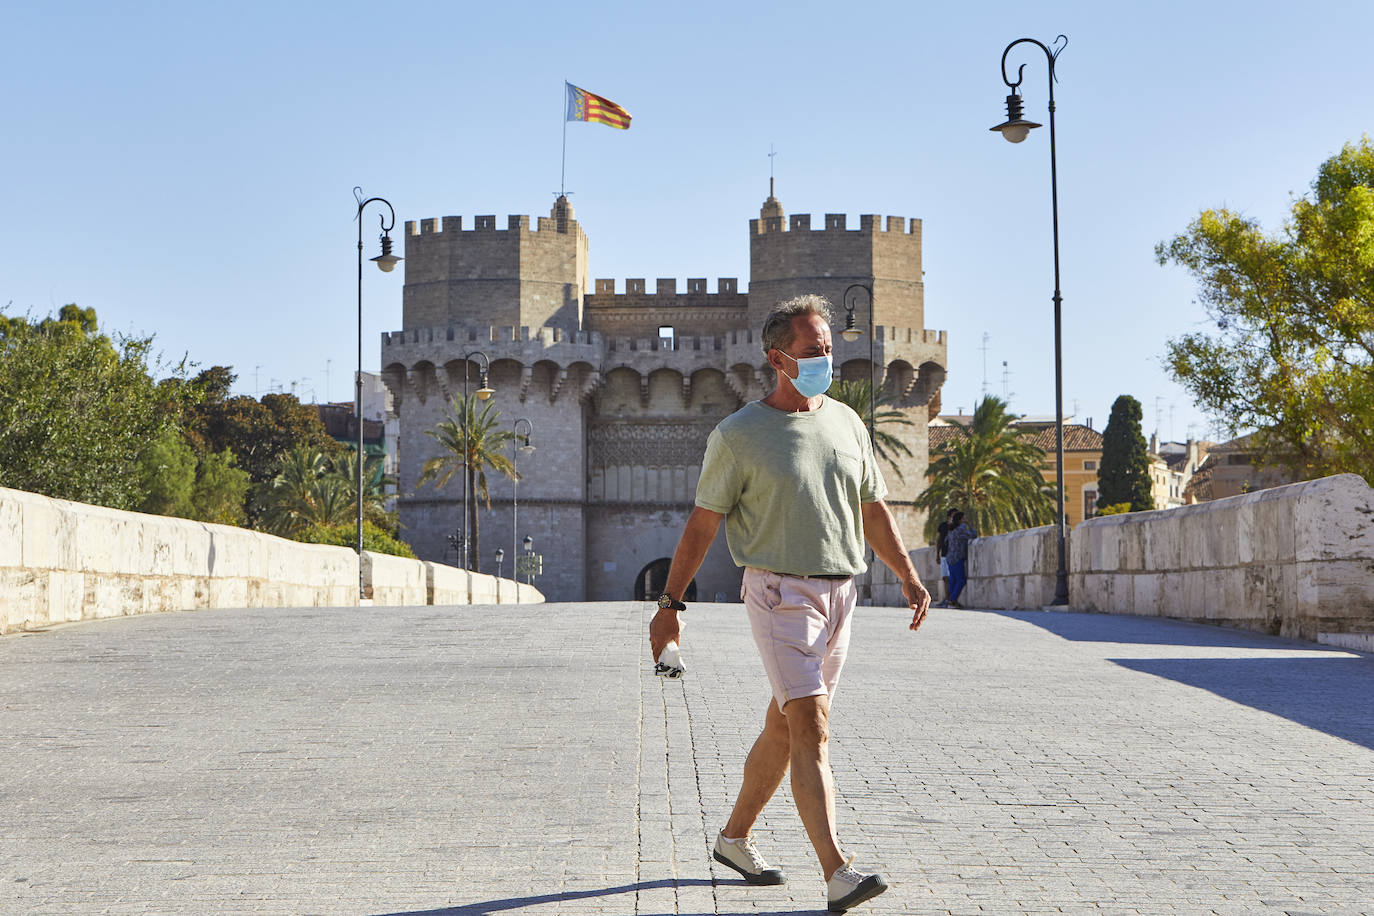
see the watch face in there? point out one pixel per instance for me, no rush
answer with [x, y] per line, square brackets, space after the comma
[664, 601]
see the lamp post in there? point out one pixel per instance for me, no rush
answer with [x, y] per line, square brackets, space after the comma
[523, 446]
[482, 394]
[852, 332]
[529, 560]
[1015, 129]
[387, 262]
[500, 555]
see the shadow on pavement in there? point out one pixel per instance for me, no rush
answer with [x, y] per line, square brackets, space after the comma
[516, 903]
[1158, 631]
[1327, 694]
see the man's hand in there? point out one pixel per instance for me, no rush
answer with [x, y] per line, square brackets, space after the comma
[663, 629]
[918, 599]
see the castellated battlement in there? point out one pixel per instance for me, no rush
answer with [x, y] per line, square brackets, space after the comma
[518, 223]
[496, 334]
[869, 224]
[665, 288]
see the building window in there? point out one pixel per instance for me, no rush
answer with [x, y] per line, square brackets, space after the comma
[665, 337]
[1090, 465]
[1089, 503]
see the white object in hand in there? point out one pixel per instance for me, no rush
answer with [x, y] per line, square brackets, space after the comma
[670, 662]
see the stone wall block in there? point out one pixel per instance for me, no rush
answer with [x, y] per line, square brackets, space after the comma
[1335, 519]
[393, 580]
[1272, 537]
[1263, 590]
[1132, 550]
[23, 599]
[483, 588]
[1105, 550]
[1334, 595]
[1163, 542]
[11, 533]
[66, 590]
[1169, 592]
[1145, 589]
[447, 584]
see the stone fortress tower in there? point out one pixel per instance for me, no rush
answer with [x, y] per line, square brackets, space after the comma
[620, 405]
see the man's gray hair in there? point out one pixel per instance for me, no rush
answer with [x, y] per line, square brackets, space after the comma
[777, 327]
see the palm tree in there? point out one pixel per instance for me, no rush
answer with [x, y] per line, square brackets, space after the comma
[375, 482]
[992, 473]
[855, 395]
[472, 441]
[304, 492]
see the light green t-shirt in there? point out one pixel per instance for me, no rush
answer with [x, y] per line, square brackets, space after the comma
[790, 485]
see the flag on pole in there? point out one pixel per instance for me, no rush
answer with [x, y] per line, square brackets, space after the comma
[585, 106]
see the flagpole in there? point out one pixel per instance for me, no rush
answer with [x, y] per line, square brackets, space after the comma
[563, 169]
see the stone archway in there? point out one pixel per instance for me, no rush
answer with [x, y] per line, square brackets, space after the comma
[654, 576]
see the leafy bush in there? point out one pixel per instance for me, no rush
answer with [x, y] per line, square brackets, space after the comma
[1114, 509]
[374, 538]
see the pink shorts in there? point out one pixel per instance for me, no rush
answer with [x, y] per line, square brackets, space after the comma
[801, 626]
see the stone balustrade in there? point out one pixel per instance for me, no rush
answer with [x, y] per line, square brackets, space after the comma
[62, 562]
[1296, 560]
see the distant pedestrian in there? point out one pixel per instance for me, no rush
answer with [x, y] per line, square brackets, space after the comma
[794, 479]
[941, 547]
[956, 554]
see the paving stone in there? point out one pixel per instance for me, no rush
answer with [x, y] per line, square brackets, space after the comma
[483, 760]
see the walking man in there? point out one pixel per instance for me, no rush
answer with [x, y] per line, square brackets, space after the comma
[794, 478]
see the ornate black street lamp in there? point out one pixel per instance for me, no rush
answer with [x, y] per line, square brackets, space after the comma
[482, 394]
[529, 560]
[387, 262]
[1014, 129]
[522, 444]
[853, 332]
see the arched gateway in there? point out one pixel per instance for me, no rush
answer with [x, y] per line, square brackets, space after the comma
[653, 577]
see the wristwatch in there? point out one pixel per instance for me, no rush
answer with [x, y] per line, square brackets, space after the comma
[668, 604]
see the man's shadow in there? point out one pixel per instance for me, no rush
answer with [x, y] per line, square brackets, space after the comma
[515, 903]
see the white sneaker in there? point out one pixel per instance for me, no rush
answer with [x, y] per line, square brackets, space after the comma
[744, 858]
[847, 888]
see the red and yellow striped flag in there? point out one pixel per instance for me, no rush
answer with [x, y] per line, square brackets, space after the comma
[585, 106]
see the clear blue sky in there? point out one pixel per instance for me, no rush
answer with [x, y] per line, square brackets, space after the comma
[187, 169]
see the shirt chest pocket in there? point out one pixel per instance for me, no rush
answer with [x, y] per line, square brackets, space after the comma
[846, 464]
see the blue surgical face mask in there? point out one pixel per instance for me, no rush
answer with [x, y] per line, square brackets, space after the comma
[813, 375]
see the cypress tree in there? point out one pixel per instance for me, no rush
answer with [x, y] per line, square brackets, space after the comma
[1124, 474]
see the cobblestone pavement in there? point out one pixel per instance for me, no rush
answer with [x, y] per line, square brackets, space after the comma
[494, 760]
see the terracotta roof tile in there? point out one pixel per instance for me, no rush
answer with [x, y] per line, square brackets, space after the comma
[1077, 438]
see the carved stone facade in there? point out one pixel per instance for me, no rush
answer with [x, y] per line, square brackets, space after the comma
[622, 388]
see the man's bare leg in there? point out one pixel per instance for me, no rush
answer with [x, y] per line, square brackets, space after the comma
[813, 786]
[764, 769]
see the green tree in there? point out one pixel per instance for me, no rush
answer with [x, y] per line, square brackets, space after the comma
[855, 395]
[77, 408]
[221, 489]
[167, 475]
[1293, 352]
[259, 434]
[471, 441]
[991, 473]
[176, 482]
[1124, 474]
